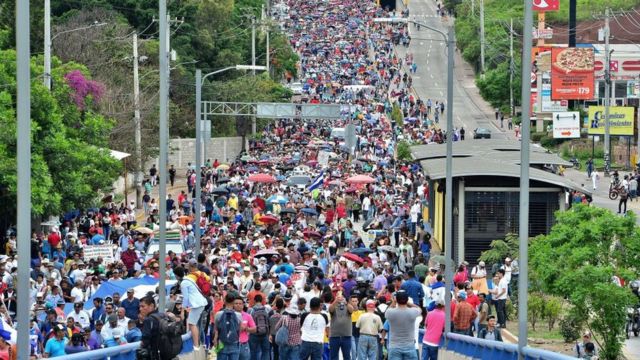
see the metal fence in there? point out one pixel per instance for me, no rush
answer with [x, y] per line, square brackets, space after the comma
[123, 352]
[495, 350]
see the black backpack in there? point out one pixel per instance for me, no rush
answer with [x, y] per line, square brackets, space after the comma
[261, 319]
[169, 341]
[228, 327]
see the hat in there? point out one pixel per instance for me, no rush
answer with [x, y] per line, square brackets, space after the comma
[246, 268]
[112, 318]
[193, 262]
[462, 295]
[586, 334]
[60, 302]
[99, 322]
[481, 264]
[287, 296]
[59, 327]
[387, 263]
[116, 333]
[232, 270]
[293, 311]
[440, 302]
[130, 290]
[371, 304]
[507, 259]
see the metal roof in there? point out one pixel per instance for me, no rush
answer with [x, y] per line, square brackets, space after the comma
[490, 158]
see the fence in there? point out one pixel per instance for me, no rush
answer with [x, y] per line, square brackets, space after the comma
[124, 352]
[495, 350]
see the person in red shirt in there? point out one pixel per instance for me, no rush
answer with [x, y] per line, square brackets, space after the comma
[341, 210]
[461, 276]
[472, 298]
[54, 237]
[329, 215]
[256, 291]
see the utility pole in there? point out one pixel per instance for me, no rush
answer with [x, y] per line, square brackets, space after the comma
[265, 28]
[47, 44]
[482, 37]
[253, 63]
[137, 122]
[163, 54]
[473, 8]
[198, 198]
[23, 160]
[511, 68]
[607, 89]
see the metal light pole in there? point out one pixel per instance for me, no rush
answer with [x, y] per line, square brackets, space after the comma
[23, 90]
[523, 279]
[449, 38]
[607, 95]
[164, 135]
[199, 143]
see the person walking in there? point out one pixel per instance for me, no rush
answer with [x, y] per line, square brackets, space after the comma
[594, 179]
[291, 319]
[402, 329]
[589, 167]
[259, 341]
[341, 328]
[370, 325]
[314, 327]
[227, 326]
[172, 175]
[433, 330]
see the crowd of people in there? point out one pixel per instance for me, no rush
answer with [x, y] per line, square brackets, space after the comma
[309, 249]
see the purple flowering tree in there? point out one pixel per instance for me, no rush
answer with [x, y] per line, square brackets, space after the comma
[83, 87]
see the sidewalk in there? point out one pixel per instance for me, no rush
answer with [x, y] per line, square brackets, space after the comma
[179, 185]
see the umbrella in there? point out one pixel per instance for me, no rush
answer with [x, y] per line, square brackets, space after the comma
[221, 190]
[310, 211]
[361, 251]
[360, 179]
[252, 168]
[351, 190]
[223, 180]
[437, 259]
[312, 163]
[262, 178]
[267, 252]
[352, 257]
[269, 219]
[143, 230]
[223, 167]
[388, 248]
[336, 182]
[310, 233]
[288, 211]
[302, 268]
[281, 178]
[278, 199]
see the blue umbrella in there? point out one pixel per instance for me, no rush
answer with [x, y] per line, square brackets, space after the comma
[252, 168]
[362, 252]
[278, 198]
[97, 238]
[280, 178]
[310, 211]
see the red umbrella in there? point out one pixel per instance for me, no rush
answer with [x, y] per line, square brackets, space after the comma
[269, 219]
[352, 257]
[360, 179]
[351, 190]
[311, 233]
[262, 178]
[264, 162]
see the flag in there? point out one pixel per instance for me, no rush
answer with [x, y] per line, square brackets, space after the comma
[317, 182]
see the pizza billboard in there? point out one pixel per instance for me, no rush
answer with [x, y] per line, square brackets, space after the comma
[546, 5]
[621, 120]
[572, 73]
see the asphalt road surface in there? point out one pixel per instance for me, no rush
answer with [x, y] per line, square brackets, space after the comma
[430, 81]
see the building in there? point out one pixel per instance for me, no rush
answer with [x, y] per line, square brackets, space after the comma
[486, 190]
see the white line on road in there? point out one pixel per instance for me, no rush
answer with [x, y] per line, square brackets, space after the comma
[431, 75]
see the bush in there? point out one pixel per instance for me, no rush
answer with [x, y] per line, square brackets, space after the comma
[536, 308]
[570, 327]
[552, 310]
[549, 142]
[536, 136]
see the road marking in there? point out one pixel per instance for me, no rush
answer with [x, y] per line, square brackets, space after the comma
[431, 75]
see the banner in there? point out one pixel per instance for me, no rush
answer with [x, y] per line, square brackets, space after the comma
[566, 125]
[548, 105]
[572, 72]
[546, 5]
[99, 251]
[621, 120]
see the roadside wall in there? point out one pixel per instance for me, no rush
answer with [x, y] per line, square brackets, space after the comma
[182, 151]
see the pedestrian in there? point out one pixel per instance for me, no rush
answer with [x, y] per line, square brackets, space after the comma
[483, 312]
[589, 167]
[464, 315]
[247, 326]
[192, 299]
[402, 330]
[510, 124]
[433, 330]
[501, 120]
[490, 332]
[172, 175]
[341, 327]
[594, 179]
[314, 327]
[500, 295]
[623, 194]
[370, 325]
[291, 320]
[153, 175]
[227, 326]
[633, 187]
[462, 133]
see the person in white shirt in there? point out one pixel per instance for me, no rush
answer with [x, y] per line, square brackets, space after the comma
[500, 295]
[594, 179]
[507, 269]
[366, 205]
[123, 321]
[415, 211]
[77, 293]
[80, 316]
[314, 326]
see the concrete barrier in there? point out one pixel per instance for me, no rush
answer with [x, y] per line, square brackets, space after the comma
[183, 151]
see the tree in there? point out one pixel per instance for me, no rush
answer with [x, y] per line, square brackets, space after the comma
[500, 249]
[404, 151]
[577, 260]
[71, 163]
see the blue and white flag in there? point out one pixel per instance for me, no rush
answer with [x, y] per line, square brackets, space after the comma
[317, 182]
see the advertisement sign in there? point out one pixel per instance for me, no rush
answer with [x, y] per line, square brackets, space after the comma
[633, 89]
[621, 120]
[566, 125]
[533, 103]
[546, 104]
[542, 33]
[572, 73]
[546, 5]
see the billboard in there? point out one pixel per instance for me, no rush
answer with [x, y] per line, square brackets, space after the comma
[546, 5]
[572, 73]
[566, 125]
[621, 120]
[546, 104]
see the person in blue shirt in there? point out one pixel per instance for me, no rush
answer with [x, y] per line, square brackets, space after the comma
[133, 333]
[413, 288]
[131, 305]
[98, 311]
[76, 345]
[55, 346]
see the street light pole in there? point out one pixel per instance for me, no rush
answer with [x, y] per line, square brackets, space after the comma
[199, 143]
[449, 39]
[47, 44]
[163, 54]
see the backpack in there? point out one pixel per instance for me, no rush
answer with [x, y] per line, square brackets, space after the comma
[261, 319]
[282, 335]
[202, 283]
[380, 313]
[169, 341]
[228, 327]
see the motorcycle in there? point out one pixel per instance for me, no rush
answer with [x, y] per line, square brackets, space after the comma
[614, 189]
[633, 321]
[576, 163]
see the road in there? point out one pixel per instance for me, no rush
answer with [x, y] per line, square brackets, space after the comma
[430, 81]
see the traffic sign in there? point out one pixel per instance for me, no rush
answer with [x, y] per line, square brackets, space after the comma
[566, 125]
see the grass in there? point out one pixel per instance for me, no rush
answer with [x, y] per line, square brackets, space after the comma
[541, 331]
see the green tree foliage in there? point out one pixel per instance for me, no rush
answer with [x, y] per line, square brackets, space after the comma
[500, 249]
[552, 310]
[536, 308]
[70, 157]
[404, 151]
[577, 260]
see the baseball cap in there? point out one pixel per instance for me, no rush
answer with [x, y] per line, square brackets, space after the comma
[462, 295]
[113, 318]
[481, 263]
[246, 268]
[371, 303]
[116, 333]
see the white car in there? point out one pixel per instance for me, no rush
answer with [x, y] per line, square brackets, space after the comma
[296, 87]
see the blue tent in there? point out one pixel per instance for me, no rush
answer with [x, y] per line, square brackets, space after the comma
[107, 288]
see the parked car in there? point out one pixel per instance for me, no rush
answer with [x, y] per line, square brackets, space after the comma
[174, 245]
[300, 181]
[482, 133]
[296, 87]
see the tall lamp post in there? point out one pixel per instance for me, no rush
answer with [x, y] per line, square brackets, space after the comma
[449, 38]
[48, 41]
[198, 198]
